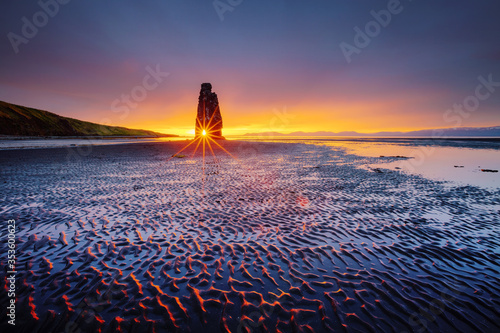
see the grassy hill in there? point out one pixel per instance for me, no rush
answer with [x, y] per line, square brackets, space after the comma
[16, 120]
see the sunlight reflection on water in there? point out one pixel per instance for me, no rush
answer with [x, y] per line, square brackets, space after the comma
[456, 164]
[456, 161]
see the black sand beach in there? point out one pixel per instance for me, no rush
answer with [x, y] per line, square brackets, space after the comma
[286, 237]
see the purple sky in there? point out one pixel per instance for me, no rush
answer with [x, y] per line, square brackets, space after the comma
[263, 58]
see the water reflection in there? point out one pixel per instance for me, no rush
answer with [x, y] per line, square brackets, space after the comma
[460, 165]
[458, 161]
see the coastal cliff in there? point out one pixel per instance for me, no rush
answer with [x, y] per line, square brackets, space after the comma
[17, 120]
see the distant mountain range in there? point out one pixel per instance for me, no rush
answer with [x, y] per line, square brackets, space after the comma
[17, 120]
[443, 132]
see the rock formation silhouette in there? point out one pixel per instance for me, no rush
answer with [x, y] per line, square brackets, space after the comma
[208, 118]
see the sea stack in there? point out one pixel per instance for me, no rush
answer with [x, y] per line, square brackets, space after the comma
[208, 117]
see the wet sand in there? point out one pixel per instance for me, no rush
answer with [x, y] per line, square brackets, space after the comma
[286, 237]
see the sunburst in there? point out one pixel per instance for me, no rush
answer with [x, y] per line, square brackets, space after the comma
[206, 140]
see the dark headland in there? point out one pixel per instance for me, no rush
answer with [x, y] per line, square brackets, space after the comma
[21, 121]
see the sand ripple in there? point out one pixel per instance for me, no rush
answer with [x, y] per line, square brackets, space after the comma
[290, 237]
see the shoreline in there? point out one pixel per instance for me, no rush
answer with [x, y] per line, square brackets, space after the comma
[26, 143]
[457, 162]
[360, 138]
[256, 137]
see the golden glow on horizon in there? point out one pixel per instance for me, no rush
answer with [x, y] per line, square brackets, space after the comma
[363, 116]
[237, 131]
[360, 127]
[353, 118]
[345, 109]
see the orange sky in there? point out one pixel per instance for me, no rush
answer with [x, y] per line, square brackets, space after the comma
[351, 113]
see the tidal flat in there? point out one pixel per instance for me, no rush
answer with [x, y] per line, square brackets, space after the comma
[298, 236]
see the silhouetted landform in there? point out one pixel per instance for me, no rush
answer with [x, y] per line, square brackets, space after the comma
[431, 133]
[17, 120]
[395, 156]
[208, 117]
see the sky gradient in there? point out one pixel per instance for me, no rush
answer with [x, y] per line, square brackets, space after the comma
[275, 65]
